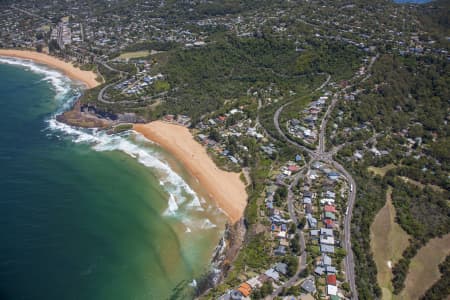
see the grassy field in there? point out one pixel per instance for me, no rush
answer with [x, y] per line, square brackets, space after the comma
[387, 240]
[381, 171]
[421, 185]
[131, 55]
[424, 271]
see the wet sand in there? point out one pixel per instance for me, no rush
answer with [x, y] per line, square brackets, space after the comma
[87, 77]
[225, 188]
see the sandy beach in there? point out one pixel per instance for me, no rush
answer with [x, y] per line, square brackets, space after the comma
[225, 188]
[87, 77]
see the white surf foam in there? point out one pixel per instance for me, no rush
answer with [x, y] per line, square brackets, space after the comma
[62, 85]
[173, 206]
[207, 224]
[135, 145]
[195, 204]
[173, 183]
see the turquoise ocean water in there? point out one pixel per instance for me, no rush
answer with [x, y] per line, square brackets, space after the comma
[84, 215]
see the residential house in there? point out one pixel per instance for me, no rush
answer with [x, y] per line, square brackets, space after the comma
[280, 251]
[308, 285]
[326, 232]
[271, 273]
[330, 194]
[293, 168]
[331, 279]
[245, 289]
[326, 260]
[332, 290]
[308, 208]
[307, 200]
[281, 235]
[307, 193]
[329, 201]
[319, 270]
[254, 283]
[312, 174]
[281, 268]
[329, 208]
[312, 222]
[329, 223]
[330, 215]
[326, 240]
[333, 176]
[284, 242]
[326, 248]
[314, 234]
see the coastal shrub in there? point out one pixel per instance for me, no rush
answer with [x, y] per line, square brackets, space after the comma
[256, 253]
[122, 127]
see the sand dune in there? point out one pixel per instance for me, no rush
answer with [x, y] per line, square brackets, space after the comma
[225, 188]
[87, 77]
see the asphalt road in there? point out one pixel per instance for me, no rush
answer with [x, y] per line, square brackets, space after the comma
[321, 155]
[276, 118]
[293, 216]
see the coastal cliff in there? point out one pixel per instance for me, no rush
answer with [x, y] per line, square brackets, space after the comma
[89, 116]
[223, 257]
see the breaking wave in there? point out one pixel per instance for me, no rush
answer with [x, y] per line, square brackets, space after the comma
[133, 144]
[207, 224]
[179, 191]
[62, 85]
[173, 206]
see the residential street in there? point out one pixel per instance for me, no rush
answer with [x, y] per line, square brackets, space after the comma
[327, 157]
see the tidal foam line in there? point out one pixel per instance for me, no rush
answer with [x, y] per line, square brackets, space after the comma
[60, 83]
[179, 191]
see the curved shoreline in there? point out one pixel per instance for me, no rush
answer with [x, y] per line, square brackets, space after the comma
[225, 188]
[86, 77]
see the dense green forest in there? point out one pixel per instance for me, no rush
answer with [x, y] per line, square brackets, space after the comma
[408, 89]
[229, 67]
[406, 99]
[203, 79]
[435, 18]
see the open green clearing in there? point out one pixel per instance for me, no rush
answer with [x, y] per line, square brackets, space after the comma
[424, 271]
[388, 241]
[421, 185]
[381, 171]
[135, 54]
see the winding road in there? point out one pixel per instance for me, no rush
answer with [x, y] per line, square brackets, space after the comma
[302, 258]
[321, 155]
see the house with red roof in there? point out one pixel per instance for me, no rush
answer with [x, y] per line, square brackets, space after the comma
[246, 289]
[293, 168]
[331, 279]
[169, 118]
[329, 208]
[329, 223]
